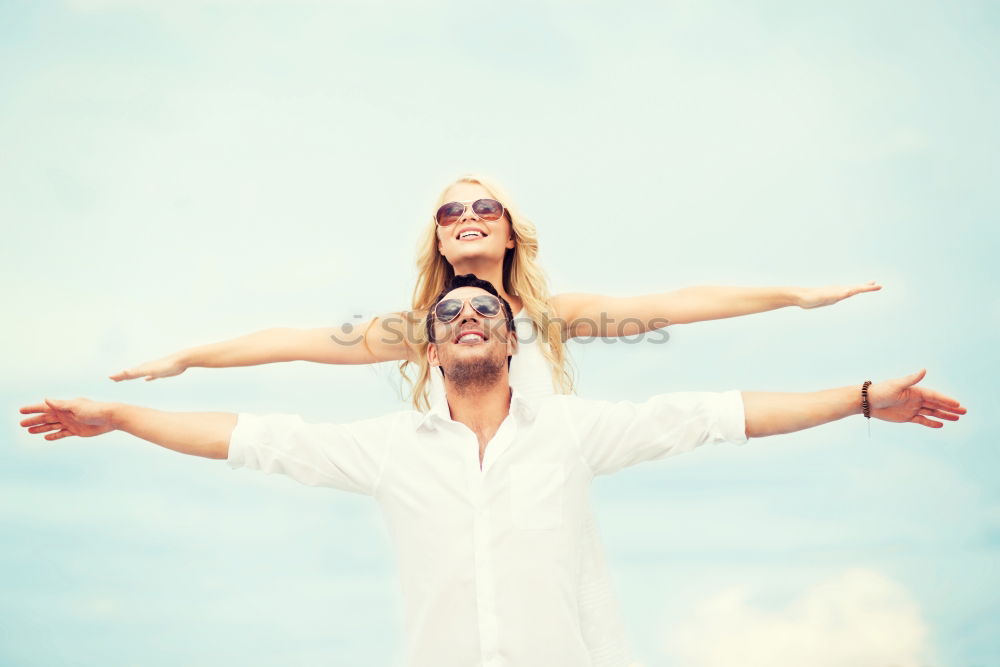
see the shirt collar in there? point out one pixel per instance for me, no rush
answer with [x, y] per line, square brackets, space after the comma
[438, 411]
[520, 406]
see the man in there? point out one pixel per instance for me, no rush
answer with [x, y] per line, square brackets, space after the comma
[485, 495]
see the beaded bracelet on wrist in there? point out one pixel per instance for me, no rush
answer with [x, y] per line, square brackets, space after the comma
[866, 407]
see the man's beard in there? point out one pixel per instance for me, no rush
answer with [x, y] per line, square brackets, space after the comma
[476, 375]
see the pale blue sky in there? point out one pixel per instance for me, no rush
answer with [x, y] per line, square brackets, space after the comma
[180, 172]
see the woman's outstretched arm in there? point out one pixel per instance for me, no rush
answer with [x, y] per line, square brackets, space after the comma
[386, 338]
[609, 316]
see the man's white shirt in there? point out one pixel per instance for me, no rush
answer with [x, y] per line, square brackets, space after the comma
[490, 558]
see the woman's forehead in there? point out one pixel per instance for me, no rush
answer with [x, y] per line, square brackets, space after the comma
[466, 192]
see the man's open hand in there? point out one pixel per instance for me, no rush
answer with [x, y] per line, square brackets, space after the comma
[58, 419]
[901, 400]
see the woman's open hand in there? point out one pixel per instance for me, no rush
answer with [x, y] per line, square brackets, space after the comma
[161, 368]
[814, 297]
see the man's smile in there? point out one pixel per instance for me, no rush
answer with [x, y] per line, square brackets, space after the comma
[470, 337]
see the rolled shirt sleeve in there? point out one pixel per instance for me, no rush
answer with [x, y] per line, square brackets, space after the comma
[349, 457]
[614, 435]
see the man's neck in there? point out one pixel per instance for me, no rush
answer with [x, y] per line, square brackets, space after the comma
[482, 409]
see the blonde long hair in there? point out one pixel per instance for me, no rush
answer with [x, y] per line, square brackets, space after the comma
[522, 277]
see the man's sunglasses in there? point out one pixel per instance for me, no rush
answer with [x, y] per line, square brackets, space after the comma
[489, 210]
[486, 305]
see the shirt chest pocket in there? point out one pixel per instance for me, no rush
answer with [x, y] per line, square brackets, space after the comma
[536, 495]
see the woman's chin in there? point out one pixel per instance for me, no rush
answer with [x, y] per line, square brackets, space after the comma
[477, 256]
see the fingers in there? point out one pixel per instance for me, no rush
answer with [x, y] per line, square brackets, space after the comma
[57, 405]
[870, 286]
[44, 428]
[917, 419]
[940, 414]
[44, 424]
[896, 387]
[939, 399]
[131, 375]
[45, 409]
[45, 418]
[913, 378]
[127, 374]
[945, 407]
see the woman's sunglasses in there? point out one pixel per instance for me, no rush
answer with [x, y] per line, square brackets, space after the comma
[486, 305]
[487, 209]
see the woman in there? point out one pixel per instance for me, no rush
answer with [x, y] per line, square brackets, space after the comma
[500, 245]
[478, 229]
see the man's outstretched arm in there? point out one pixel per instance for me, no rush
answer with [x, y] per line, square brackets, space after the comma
[197, 433]
[898, 400]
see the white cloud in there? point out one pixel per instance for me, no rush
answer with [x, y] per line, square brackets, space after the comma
[859, 618]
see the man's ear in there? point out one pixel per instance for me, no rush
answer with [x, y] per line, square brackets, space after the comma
[512, 343]
[432, 355]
